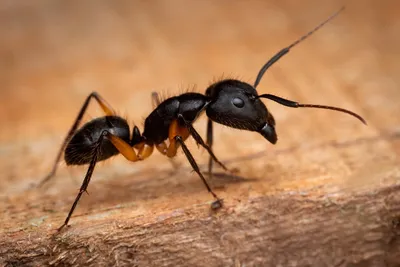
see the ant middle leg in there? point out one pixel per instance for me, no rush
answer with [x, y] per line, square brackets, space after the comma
[177, 135]
[86, 181]
[196, 136]
[218, 202]
[107, 110]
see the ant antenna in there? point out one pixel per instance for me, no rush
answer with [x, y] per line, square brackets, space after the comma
[293, 104]
[285, 50]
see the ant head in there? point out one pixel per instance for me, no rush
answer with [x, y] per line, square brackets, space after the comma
[236, 104]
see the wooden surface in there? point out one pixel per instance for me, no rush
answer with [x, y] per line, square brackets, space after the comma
[327, 194]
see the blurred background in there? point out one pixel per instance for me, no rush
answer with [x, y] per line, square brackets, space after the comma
[54, 53]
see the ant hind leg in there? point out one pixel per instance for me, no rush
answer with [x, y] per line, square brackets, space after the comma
[124, 148]
[85, 182]
[107, 110]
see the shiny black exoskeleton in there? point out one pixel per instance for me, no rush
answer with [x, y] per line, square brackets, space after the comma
[188, 106]
[229, 102]
[79, 150]
[236, 104]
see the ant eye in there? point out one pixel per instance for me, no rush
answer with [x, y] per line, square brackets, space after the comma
[238, 102]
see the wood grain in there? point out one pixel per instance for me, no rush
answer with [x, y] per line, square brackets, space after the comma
[327, 194]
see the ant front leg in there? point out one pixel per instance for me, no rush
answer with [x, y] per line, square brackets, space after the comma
[107, 110]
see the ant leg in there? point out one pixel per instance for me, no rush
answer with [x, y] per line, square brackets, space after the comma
[196, 136]
[163, 148]
[177, 135]
[175, 130]
[210, 143]
[86, 181]
[107, 110]
[145, 150]
[218, 203]
[124, 148]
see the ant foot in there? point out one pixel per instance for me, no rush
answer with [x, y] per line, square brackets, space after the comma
[217, 204]
[62, 226]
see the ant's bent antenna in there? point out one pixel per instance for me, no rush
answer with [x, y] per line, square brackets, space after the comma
[293, 104]
[285, 50]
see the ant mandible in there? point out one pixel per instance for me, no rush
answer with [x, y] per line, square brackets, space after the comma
[230, 102]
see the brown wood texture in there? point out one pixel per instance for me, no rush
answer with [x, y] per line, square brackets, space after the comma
[327, 194]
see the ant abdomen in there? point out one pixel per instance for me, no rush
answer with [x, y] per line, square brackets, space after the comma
[80, 148]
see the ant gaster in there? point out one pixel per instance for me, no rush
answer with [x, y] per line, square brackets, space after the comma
[230, 102]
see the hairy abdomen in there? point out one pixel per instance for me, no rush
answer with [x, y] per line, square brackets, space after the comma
[81, 147]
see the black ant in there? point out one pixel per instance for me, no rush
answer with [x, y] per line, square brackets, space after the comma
[230, 102]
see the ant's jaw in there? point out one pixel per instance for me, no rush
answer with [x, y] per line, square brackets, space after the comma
[268, 131]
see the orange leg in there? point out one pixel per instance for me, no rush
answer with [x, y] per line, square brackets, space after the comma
[145, 150]
[107, 110]
[176, 130]
[163, 148]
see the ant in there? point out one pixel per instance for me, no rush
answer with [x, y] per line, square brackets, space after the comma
[229, 102]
